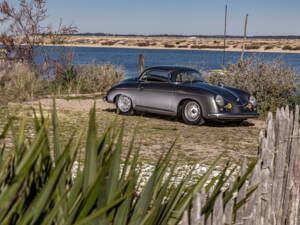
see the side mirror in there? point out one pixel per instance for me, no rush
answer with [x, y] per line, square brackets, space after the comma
[144, 78]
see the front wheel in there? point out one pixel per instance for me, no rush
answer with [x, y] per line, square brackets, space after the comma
[191, 113]
[124, 105]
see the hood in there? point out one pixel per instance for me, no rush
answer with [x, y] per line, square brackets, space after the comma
[129, 80]
[226, 93]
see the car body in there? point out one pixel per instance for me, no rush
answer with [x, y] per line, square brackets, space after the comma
[170, 90]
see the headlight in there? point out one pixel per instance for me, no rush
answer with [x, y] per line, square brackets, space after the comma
[252, 100]
[219, 100]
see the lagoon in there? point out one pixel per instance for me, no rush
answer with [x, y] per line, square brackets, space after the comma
[127, 58]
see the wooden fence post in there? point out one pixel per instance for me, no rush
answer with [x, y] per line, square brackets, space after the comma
[141, 63]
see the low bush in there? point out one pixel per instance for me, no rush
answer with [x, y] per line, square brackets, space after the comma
[291, 48]
[252, 46]
[169, 45]
[273, 83]
[268, 47]
[143, 44]
[209, 46]
[98, 78]
[86, 79]
[109, 43]
[19, 82]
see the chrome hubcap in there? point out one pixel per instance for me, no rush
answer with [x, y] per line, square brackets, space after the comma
[192, 111]
[124, 103]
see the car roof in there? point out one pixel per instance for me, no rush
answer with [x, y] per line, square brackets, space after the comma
[169, 68]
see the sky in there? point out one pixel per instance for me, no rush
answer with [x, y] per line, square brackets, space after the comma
[266, 17]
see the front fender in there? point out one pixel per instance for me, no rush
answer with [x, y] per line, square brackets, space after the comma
[206, 102]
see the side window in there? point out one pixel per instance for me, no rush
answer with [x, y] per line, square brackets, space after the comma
[156, 76]
[188, 76]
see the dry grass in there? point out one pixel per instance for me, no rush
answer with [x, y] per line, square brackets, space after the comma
[19, 82]
[86, 79]
[194, 143]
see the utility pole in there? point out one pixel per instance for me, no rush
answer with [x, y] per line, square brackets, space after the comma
[245, 37]
[225, 32]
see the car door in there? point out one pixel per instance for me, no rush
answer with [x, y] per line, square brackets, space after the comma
[156, 92]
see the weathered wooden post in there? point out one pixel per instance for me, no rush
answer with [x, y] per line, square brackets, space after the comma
[245, 37]
[225, 33]
[141, 63]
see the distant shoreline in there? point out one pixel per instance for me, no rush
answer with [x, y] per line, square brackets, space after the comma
[164, 48]
[292, 36]
[184, 43]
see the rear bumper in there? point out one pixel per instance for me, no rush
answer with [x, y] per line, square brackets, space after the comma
[232, 116]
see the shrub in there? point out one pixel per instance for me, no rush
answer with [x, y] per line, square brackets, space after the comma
[66, 79]
[291, 48]
[109, 43]
[86, 78]
[252, 46]
[268, 47]
[209, 46]
[169, 45]
[98, 78]
[273, 84]
[20, 82]
[143, 44]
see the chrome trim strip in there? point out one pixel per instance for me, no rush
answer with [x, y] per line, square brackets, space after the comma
[232, 115]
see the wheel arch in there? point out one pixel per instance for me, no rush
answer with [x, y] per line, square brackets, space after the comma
[201, 104]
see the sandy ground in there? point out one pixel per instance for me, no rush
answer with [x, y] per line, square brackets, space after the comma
[157, 133]
[191, 43]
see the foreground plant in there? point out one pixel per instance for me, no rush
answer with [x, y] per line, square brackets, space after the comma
[40, 184]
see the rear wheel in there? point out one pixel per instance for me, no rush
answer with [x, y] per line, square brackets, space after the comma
[191, 113]
[124, 105]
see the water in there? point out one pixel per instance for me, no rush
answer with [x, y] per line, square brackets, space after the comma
[127, 58]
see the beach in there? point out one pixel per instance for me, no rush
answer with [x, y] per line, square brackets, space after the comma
[185, 43]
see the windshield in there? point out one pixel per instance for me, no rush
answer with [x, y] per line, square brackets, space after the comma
[189, 77]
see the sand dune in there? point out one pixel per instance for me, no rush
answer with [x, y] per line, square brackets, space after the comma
[192, 43]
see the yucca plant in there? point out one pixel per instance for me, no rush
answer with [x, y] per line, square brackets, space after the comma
[39, 183]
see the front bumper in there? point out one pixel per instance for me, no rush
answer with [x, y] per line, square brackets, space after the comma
[232, 116]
